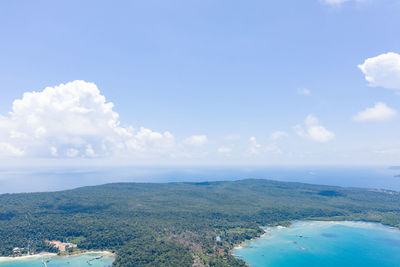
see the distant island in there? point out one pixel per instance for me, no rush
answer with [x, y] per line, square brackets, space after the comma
[176, 224]
[395, 168]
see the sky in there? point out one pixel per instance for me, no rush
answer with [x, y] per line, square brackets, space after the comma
[313, 82]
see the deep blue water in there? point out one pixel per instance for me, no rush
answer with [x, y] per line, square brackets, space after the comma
[36, 179]
[324, 244]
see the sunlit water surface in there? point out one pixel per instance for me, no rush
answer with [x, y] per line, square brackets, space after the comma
[325, 244]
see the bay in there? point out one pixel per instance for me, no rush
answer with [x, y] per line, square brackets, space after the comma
[326, 244]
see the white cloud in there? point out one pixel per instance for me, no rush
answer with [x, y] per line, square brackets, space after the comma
[379, 112]
[313, 131]
[303, 91]
[254, 147]
[7, 149]
[382, 70]
[320, 134]
[278, 135]
[90, 152]
[224, 150]
[53, 151]
[311, 120]
[196, 140]
[72, 153]
[74, 120]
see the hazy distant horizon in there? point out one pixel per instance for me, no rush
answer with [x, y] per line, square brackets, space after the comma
[55, 178]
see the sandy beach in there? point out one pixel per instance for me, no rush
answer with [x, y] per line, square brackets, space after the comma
[27, 257]
[241, 245]
[47, 254]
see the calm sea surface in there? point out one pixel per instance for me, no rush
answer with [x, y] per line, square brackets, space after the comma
[76, 261]
[325, 244]
[37, 179]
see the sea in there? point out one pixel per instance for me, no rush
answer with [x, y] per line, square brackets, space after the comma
[324, 244]
[43, 179]
[84, 260]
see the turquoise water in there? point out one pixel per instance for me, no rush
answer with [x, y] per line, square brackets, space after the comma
[324, 244]
[72, 261]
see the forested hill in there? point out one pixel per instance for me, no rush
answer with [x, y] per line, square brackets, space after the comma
[177, 224]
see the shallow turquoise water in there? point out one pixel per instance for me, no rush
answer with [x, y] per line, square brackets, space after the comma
[324, 244]
[73, 261]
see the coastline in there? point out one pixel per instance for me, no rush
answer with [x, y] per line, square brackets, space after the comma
[345, 222]
[27, 257]
[48, 254]
[243, 244]
[264, 228]
[385, 230]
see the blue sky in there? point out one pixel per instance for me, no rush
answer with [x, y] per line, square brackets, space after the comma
[231, 82]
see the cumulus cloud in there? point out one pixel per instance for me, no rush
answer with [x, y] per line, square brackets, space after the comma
[379, 112]
[196, 140]
[278, 135]
[75, 120]
[382, 70]
[313, 131]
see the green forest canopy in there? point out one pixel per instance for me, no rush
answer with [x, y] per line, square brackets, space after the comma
[177, 224]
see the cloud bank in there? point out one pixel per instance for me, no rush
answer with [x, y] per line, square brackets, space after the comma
[196, 140]
[75, 120]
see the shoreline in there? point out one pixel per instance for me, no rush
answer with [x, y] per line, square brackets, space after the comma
[48, 254]
[242, 244]
[348, 222]
[27, 257]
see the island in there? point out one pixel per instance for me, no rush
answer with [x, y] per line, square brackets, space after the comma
[177, 224]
